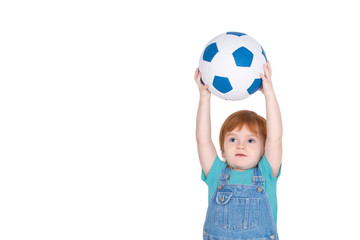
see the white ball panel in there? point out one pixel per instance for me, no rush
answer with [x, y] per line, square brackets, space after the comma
[251, 44]
[257, 65]
[228, 43]
[223, 64]
[216, 92]
[236, 95]
[206, 72]
[241, 78]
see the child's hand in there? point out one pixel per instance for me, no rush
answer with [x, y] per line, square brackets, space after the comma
[266, 87]
[203, 89]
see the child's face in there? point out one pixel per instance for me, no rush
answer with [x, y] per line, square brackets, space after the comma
[243, 149]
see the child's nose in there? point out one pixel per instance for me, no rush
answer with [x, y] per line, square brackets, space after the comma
[241, 146]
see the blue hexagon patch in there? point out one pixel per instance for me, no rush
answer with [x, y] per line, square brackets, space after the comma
[239, 34]
[263, 53]
[243, 57]
[256, 85]
[210, 52]
[222, 84]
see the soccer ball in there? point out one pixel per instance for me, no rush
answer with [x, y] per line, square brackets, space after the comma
[231, 64]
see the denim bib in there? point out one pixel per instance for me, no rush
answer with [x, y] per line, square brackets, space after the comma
[238, 211]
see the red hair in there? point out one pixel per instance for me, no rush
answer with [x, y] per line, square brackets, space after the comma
[238, 119]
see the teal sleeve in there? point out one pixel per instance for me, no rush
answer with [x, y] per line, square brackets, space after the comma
[265, 168]
[214, 173]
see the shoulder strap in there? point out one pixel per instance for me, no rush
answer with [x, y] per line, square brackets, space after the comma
[224, 176]
[257, 179]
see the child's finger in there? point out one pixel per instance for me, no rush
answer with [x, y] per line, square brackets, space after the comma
[262, 77]
[270, 71]
[196, 73]
[266, 71]
[197, 76]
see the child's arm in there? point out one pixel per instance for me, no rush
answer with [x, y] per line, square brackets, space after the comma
[273, 145]
[206, 148]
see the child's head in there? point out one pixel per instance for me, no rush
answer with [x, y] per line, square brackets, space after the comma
[242, 139]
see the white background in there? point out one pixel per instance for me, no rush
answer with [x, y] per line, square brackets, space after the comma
[98, 105]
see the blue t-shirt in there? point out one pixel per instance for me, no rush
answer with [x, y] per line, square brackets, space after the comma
[245, 177]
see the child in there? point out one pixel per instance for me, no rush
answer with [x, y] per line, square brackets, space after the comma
[242, 190]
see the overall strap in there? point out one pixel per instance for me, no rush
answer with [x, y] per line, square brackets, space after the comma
[223, 177]
[257, 179]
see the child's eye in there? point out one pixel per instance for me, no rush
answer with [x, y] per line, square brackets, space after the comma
[251, 140]
[232, 140]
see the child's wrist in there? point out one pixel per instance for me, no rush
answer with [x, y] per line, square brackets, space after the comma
[270, 97]
[270, 94]
[204, 98]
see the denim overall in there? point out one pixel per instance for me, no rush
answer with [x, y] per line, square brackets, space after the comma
[238, 211]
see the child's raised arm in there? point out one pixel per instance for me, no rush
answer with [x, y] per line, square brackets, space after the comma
[273, 145]
[206, 148]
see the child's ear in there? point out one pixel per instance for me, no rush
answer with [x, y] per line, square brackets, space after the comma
[222, 154]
